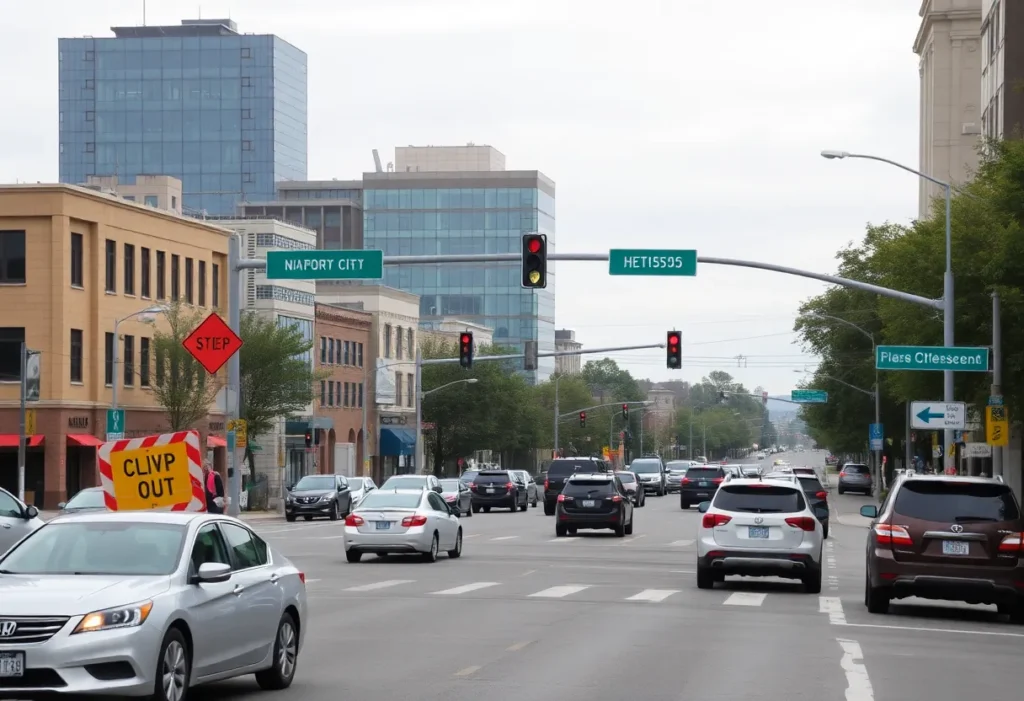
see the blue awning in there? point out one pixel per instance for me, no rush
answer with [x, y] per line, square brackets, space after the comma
[397, 441]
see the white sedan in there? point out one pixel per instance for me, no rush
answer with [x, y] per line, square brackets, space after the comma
[403, 521]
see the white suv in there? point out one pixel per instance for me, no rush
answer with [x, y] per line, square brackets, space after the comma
[759, 528]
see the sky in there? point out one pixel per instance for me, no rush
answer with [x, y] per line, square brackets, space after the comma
[665, 124]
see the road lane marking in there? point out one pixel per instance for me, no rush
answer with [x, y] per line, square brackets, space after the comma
[474, 535]
[919, 629]
[681, 543]
[559, 540]
[833, 606]
[653, 595]
[527, 573]
[858, 684]
[310, 581]
[467, 671]
[380, 585]
[630, 540]
[745, 598]
[328, 537]
[518, 646]
[466, 588]
[506, 537]
[559, 592]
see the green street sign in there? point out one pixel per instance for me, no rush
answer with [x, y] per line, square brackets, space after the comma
[325, 265]
[625, 261]
[960, 359]
[809, 396]
[115, 424]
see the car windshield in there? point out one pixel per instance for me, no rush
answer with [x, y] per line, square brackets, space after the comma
[759, 499]
[949, 501]
[627, 477]
[124, 548]
[645, 466]
[450, 485]
[811, 484]
[405, 483]
[493, 478]
[704, 473]
[87, 499]
[468, 476]
[585, 488]
[389, 500]
[678, 466]
[312, 482]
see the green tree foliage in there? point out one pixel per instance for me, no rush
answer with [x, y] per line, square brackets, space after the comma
[610, 383]
[179, 383]
[574, 395]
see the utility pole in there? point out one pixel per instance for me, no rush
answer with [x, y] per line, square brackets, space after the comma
[997, 376]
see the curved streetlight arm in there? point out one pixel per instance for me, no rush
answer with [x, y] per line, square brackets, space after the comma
[868, 392]
[815, 315]
[940, 183]
[468, 381]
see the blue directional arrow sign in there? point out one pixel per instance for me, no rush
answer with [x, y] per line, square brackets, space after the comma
[938, 415]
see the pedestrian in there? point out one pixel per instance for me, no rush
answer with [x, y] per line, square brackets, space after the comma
[214, 487]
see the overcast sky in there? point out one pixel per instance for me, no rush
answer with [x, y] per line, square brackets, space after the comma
[664, 123]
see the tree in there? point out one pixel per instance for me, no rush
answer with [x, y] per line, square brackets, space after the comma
[277, 377]
[179, 383]
[610, 383]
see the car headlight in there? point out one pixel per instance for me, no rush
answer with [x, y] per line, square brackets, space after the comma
[289, 498]
[326, 497]
[120, 617]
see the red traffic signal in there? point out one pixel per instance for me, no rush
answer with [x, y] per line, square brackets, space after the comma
[674, 351]
[625, 411]
[466, 349]
[583, 419]
[535, 261]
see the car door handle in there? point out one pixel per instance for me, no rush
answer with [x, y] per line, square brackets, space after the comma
[274, 578]
[238, 590]
[6, 525]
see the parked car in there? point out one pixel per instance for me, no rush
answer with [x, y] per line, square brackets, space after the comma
[318, 495]
[17, 519]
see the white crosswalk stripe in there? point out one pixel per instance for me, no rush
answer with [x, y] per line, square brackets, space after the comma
[653, 595]
[380, 585]
[560, 592]
[744, 598]
[466, 588]
[506, 537]
[681, 543]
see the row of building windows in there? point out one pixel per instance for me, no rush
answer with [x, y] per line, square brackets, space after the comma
[399, 340]
[279, 241]
[356, 195]
[334, 351]
[425, 222]
[407, 398]
[459, 198]
[284, 294]
[347, 395]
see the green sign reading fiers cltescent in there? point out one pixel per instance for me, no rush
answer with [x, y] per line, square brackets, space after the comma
[959, 359]
[325, 265]
[623, 261]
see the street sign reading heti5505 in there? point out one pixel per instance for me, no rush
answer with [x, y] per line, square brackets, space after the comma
[960, 359]
[212, 343]
[325, 265]
[625, 261]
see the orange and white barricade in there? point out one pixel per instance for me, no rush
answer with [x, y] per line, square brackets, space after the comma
[162, 473]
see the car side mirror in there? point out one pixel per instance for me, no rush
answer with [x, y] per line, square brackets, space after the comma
[31, 512]
[213, 572]
[290, 487]
[454, 511]
[703, 506]
[438, 489]
[61, 505]
[869, 511]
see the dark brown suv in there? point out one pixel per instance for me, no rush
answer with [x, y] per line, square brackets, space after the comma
[949, 538]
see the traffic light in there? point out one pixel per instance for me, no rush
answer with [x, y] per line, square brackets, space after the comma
[625, 411]
[309, 438]
[674, 351]
[466, 349]
[535, 261]
[583, 419]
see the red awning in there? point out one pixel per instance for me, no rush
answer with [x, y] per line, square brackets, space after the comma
[216, 442]
[84, 440]
[10, 440]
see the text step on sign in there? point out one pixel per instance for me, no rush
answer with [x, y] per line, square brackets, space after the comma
[938, 415]
[325, 265]
[931, 358]
[809, 396]
[624, 261]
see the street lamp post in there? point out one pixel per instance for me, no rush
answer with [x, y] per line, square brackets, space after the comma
[148, 311]
[947, 281]
[420, 396]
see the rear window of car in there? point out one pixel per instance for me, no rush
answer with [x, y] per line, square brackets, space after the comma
[564, 468]
[956, 502]
[627, 477]
[811, 484]
[386, 500]
[856, 469]
[704, 473]
[758, 499]
[645, 466]
[584, 488]
[492, 478]
[677, 466]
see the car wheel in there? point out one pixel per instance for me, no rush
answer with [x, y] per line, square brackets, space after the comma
[524, 507]
[629, 528]
[684, 504]
[469, 512]
[286, 657]
[705, 578]
[620, 531]
[431, 555]
[825, 531]
[289, 518]
[487, 509]
[840, 490]
[812, 581]
[560, 531]
[457, 551]
[353, 556]
[534, 504]
[475, 508]
[173, 668]
[875, 598]
[571, 531]
[549, 510]
[335, 511]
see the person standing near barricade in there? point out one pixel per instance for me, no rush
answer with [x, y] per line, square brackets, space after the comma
[213, 485]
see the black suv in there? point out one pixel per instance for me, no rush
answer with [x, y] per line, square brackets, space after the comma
[497, 488]
[700, 484]
[593, 501]
[561, 469]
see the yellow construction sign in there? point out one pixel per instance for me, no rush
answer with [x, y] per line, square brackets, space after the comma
[997, 426]
[239, 427]
[30, 422]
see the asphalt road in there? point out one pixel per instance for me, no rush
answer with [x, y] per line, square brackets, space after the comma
[523, 615]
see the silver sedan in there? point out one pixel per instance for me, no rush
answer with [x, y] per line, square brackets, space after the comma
[403, 521]
[146, 604]
[457, 495]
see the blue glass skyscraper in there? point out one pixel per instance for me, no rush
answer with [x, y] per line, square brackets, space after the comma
[224, 112]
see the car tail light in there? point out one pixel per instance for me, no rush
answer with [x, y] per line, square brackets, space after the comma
[887, 534]
[546, 483]
[509, 486]
[713, 520]
[804, 523]
[472, 486]
[684, 480]
[616, 498]
[450, 497]
[302, 577]
[561, 497]
[718, 480]
[821, 495]
[354, 520]
[842, 473]
[417, 520]
[1012, 544]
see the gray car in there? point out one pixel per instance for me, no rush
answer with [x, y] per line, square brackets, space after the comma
[457, 495]
[532, 490]
[854, 477]
[675, 471]
[318, 495]
[651, 473]
[16, 520]
[359, 487]
[89, 499]
[146, 604]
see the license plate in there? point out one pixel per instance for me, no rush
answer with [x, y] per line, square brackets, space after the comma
[383, 525]
[757, 531]
[12, 664]
[955, 547]
[702, 484]
[588, 503]
[490, 490]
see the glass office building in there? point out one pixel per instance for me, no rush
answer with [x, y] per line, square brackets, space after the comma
[413, 213]
[224, 112]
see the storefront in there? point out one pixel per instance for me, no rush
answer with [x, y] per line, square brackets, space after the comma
[397, 446]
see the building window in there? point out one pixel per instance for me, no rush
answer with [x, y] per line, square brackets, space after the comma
[174, 203]
[330, 351]
[246, 114]
[247, 145]
[347, 357]
[159, 366]
[323, 350]
[129, 361]
[284, 294]
[246, 52]
[152, 201]
[90, 116]
[129, 269]
[144, 272]
[144, 362]
[11, 339]
[90, 147]
[387, 340]
[189, 276]
[323, 392]
[360, 363]
[398, 389]
[111, 276]
[409, 342]
[246, 81]
[76, 355]
[77, 276]
[175, 277]
[108, 359]
[360, 395]
[398, 342]
[410, 385]
[202, 283]
[330, 393]
[215, 286]
[12, 258]
[161, 275]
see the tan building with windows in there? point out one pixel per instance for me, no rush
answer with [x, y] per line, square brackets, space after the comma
[73, 263]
